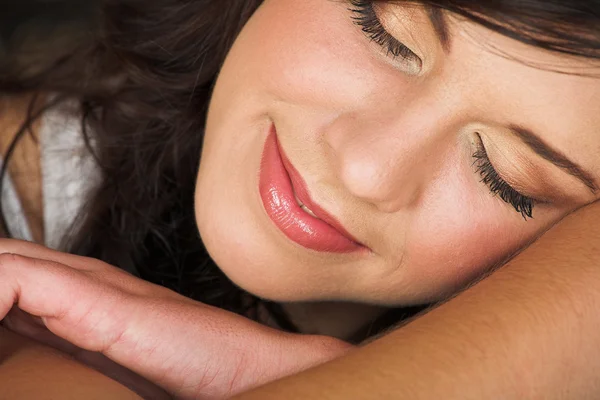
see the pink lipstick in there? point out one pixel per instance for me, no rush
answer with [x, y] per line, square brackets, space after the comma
[281, 189]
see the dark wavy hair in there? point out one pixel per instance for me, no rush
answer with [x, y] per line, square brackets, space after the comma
[143, 72]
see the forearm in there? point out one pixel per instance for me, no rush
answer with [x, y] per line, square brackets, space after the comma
[30, 370]
[529, 331]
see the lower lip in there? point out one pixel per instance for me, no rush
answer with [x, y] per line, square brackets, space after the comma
[278, 198]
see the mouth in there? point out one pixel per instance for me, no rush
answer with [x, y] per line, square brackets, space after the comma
[286, 200]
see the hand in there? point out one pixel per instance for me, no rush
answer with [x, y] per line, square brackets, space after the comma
[190, 349]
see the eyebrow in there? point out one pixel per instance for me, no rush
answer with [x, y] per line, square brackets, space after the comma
[438, 20]
[535, 143]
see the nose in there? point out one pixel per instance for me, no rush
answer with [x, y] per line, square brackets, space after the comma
[387, 158]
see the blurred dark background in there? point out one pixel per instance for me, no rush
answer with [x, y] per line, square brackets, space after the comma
[34, 23]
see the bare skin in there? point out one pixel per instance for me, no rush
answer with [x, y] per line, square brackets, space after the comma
[530, 331]
[447, 226]
[386, 146]
[527, 332]
[22, 359]
[30, 370]
[339, 320]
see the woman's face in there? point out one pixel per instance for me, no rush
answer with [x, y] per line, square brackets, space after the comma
[409, 158]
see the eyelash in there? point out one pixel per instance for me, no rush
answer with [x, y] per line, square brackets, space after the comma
[498, 186]
[366, 17]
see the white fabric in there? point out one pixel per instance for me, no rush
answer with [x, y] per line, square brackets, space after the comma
[13, 211]
[68, 173]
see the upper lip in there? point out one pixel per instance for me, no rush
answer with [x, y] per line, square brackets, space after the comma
[301, 190]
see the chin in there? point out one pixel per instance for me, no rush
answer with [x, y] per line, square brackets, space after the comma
[259, 280]
[245, 261]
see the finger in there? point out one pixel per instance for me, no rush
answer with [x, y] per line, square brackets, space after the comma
[63, 297]
[97, 318]
[115, 276]
[192, 350]
[34, 250]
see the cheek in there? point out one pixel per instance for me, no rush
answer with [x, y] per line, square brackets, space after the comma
[460, 246]
[459, 230]
[461, 237]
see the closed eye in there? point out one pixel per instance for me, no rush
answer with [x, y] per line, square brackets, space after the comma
[498, 186]
[366, 17]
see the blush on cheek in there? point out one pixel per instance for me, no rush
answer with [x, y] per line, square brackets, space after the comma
[451, 251]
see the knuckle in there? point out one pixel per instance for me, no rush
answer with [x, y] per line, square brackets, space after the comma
[7, 259]
[11, 245]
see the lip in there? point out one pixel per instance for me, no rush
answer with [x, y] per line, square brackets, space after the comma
[279, 182]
